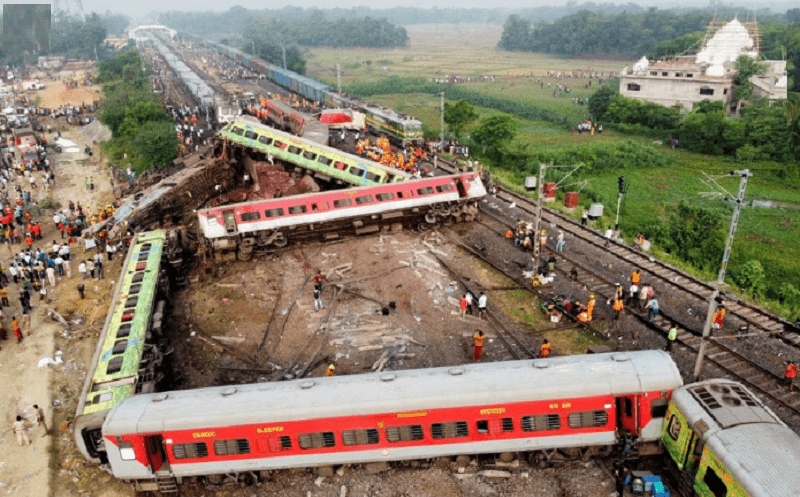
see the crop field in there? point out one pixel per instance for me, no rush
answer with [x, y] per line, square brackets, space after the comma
[766, 234]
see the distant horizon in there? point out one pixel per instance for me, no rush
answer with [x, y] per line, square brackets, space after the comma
[144, 8]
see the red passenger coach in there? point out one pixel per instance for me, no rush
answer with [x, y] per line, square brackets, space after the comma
[552, 408]
[327, 215]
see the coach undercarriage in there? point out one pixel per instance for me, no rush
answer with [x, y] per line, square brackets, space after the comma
[420, 218]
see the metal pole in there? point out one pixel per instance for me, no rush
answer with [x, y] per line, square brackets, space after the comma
[339, 78]
[712, 301]
[538, 222]
[619, 201]
[441, 119]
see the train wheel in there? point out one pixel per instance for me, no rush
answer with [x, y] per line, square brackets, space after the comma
[430, 218]
[539, 459]
[449, 221]
[424, 226]
[244, 256]
[280, 241]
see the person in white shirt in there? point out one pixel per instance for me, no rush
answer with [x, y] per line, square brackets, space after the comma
[482, 302]
[82, 269]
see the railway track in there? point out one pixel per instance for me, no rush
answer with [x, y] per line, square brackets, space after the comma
[733, 364]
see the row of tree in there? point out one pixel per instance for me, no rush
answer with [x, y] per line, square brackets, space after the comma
[142, 132]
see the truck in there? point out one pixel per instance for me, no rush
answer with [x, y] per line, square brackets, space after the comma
[32, 85]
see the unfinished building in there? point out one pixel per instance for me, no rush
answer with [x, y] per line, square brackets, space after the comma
[707, 75]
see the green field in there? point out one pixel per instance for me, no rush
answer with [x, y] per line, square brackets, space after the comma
[766, 234]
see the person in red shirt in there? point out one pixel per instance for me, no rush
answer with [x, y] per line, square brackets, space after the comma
[16, 328]
[36, 230]
[29, 240]
[719, 318]
[544, 350]
[477, 339]
[329, 371]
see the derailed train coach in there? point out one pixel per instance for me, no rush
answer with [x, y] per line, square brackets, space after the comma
[552, 409]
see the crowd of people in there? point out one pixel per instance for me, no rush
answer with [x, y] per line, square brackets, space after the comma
[381, 151]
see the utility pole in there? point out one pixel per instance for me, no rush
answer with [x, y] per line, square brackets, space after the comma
[620, 193]
[712, 301]
[537, 229]
[339, 78]
[441, 119]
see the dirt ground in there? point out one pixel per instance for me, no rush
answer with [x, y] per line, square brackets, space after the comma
[47, 462]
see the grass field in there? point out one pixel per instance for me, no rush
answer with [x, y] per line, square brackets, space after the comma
[766, 234]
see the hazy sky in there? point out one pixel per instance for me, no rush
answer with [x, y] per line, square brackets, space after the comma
[141, 7]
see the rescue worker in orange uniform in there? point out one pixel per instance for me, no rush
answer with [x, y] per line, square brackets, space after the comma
[719, 318]
[17, 330]
[583, 316]
[791, 372]
[477, 339]
[544, 350]
[590, 307]
[636, 276]
[329, 371]
[618, 307]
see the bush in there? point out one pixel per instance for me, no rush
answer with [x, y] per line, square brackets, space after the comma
[750, 278]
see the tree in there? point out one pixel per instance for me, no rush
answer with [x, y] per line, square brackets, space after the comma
[601, 99]
[493, 134]
[458, 116]
[155, 145]
[751, 278]
[746, 66]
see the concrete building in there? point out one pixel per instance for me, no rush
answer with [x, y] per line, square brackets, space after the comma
[708, 75]
[50, 62]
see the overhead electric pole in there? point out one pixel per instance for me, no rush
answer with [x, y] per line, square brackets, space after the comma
[537, 229]
[441, 119]
[712, 301]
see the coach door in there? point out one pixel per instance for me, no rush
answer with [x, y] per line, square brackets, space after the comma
[230, 221]
[155, 451]
[627, 414]
[462, 189]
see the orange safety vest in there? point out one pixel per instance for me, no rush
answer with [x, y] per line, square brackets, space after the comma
[719, 316]
[15, 326]
[509, 234]
[583, 317]
[635, 277]
[329, 372]
[3, 293]
[478, 339]
[791, 371]
[544, 350]
[618, 305]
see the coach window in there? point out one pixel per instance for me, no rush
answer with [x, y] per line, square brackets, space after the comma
[324, 160]
[143, 256]
[295, 150]
[297, 209]
[138, 277]
[444, 188]
[237, 131]
[124, 330]
[340, 165]
[507, 424]
[193, 450]
[382, 197]
[250, 216]
[119, 347]
[114, 365]
[360, 437]
[273, 212]
[483, 426]
[658, 408]
[372, 177]
[455, 429]
[715, 483]
[251, 134]
[356, 171]
[134, 289]
[316, 440]
[231, 447]
[404, 433]
[126, 452]
[587, 419]
[541, 422]
[425, 191]
[628, 407]
[131, 302]
[344, 202]
[310, 155]
[145, 247]
[266, 140]
[365, 199]
[278, 144]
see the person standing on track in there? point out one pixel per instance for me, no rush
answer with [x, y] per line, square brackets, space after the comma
[482, 301]
[719, 318]
[544, 350]
[791, 372]
[652, 307]
[671, 336]
[590, 307]
[636, 277]
[618, 307]
[584, 217]
[40, 419]
[477, 339]
[21, 431]
[560, 242]
[462, 306]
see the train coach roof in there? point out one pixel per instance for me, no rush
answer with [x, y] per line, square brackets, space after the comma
[397, 391]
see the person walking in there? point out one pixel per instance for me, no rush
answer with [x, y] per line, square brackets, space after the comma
[16, 329]
[609, 233]
[82, 269]
[545, 349]
[26, 323]
[560, 241]
[318, 298]
[652, 307]
[791, 372]
[477, 340]
[82, 290]
[643, 296]
[590, 307]
[633, 296]
[584, 217]
[636, 276]
[40, 419]
[330, 370]
[671, 336]
[4, 297]
[470, 299]
[21, 431]
[51, 276]
[622, 479]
